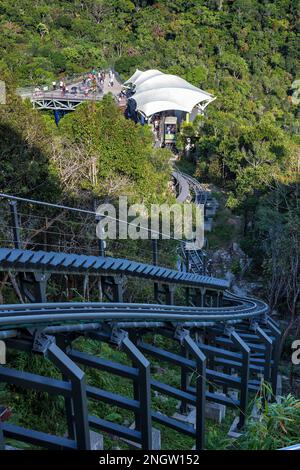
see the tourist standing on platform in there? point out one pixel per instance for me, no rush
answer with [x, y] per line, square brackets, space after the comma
[111, 79]
[54, 85]
[156, 127]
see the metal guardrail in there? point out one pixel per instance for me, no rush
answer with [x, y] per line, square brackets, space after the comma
[238, 342]
[69, 79]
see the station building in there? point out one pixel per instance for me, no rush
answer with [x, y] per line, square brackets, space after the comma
[164, 101]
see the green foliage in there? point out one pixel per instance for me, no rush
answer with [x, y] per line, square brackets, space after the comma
[244, 52]
[25, 166]
[122, 149]
[277, 427]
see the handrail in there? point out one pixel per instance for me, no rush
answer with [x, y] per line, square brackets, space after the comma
[24, 91]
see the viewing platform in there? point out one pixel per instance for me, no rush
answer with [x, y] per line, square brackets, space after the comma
[77, 91]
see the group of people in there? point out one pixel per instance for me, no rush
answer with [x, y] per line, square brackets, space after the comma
[61, 85]
[101, 78]
[171, 129]
[91, 83]
[157, 127]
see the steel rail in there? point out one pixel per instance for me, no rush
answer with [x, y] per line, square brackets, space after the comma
[240, 305]
[44, 314]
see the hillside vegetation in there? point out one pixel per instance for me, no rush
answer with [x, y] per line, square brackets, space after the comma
[245, 52]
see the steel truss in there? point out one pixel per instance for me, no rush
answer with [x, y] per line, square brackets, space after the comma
[60, 104]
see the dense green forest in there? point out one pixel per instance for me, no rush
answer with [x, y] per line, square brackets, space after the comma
[245, 52]
[246, 146]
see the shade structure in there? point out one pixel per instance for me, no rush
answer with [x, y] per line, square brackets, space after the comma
[155, 91]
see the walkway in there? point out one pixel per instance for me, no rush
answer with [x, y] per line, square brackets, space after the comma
[59, 101]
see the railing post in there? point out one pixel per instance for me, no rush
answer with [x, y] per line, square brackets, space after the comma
[244, 348]
[15, 224]
[268, 351]
[144, 384]
[77, 378]
[60, 340]
[200, 359]
[184, 379]
[276, 354]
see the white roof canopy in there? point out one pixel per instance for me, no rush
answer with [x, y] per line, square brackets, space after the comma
[155, 91]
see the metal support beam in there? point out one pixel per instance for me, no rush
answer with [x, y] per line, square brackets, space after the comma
[112, 288]
[184, 380]
[169, 291]
[200, 359]
[245, 350]
[40, 287]
[118, 289]
[136, 389]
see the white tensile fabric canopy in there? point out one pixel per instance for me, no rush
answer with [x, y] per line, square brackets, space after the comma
[155, 91]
